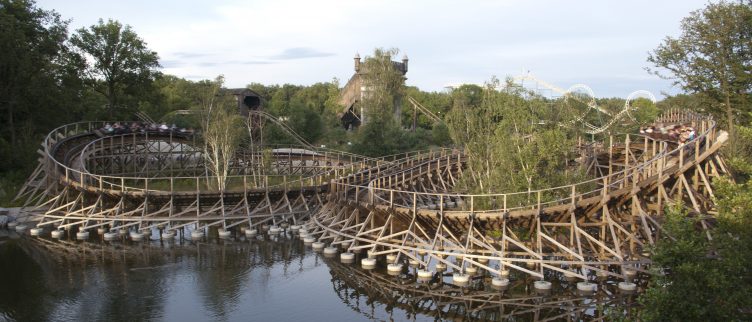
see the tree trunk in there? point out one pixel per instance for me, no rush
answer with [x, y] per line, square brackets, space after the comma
[727, 94]
[111, 98]
[11, 126]
[730, 119]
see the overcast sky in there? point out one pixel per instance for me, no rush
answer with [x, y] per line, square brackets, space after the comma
[603, 44]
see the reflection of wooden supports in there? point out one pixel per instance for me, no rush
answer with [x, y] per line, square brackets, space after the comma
[449, 302]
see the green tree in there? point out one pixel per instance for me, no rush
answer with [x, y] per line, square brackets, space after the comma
[175, 94]
[513, 141]
[741, 161]
[282, 99]
[222, 130]
[440, 135]
[313, 97]
[383, 84]
[467, 95]
[698, 279]
[39, 85]
[380, 136]
[712, 57]
[306, 122]
[332, 104]
[118, 61]
[439, 103]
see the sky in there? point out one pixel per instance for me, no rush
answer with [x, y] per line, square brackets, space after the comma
[603, 44]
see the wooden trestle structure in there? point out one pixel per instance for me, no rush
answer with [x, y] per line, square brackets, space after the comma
[601, 226]
[143, 180]
[403, 205]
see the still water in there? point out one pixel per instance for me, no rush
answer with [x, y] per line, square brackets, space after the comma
[264, 279]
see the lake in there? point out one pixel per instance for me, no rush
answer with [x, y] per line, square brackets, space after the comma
[263, 279]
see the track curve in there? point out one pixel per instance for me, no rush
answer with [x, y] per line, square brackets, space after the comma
[601, 226]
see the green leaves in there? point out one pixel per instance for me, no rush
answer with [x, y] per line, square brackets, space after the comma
[512, 139]
[222, 130]
[712, 56]
[383, 84]
[117, 61]
[700, 279]
[39, 87]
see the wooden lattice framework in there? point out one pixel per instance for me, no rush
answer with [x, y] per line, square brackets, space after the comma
[143, 180]
[602, 226]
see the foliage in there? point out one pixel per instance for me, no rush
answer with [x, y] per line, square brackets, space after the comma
[118, 63]
[439, 103]
[468, 95]
[513, 140]
[332, 105]
[308, 110]
[380, 136]
[334, 135]
[642, 112]
[39, 85]
[699, 279]
[175, 94]
[713, 57]
[222, 129]
[306, 122]
[440, 135]
[741, 160]
[383, 85]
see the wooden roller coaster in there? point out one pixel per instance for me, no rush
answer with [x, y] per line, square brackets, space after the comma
[602, 226]
[406, 205]
[148, 179]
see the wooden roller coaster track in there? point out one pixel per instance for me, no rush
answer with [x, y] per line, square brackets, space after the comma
[404, 205]
[602, 226]
[148, 179]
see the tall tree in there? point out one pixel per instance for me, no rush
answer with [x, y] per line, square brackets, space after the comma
[712, 57]
[221, 127]
[118, 60]
[38, 79]
[383, 84]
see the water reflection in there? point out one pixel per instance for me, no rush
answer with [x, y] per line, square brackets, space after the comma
[260, 279]
[69, 280]
[364, 291]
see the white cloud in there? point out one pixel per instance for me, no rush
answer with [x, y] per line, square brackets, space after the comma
[448, 41]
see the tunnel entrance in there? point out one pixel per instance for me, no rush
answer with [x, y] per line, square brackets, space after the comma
[252, 102]
[247, 99]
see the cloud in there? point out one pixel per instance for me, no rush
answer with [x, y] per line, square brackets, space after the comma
[603, 44]
[300, 53]
[196, 77]
[231, 62]
[171, 63]
[185, 55]
[206, 64]
[250, 62]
